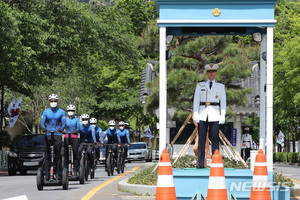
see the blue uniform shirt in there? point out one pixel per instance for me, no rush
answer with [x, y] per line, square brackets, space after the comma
[87, 133]
[98, 132]
[72, 125]
[53, 120]
[113, 136]
[124, 135]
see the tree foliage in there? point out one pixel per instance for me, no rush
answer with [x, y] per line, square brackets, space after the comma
[140, 13]
[73, 49]
[287, 68]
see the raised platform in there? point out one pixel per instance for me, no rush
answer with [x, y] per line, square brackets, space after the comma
[238, 182]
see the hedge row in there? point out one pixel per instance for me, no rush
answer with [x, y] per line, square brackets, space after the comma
[286, 157]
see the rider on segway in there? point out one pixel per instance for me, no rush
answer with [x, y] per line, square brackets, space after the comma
[53, 119]
[113, 137]
[87, 135]
[98, 132]
[72, 126]
[124, 136]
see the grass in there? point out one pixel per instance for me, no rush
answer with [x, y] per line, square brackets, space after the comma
[144, 177]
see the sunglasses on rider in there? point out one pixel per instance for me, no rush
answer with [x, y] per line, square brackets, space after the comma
[85, 119]
[53, 100]
[93, 124]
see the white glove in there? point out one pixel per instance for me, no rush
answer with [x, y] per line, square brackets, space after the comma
[222, 120]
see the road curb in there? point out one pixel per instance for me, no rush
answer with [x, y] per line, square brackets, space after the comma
[149, 190]
[138, 188]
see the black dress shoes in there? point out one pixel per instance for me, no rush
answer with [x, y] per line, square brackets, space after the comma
[199, 166]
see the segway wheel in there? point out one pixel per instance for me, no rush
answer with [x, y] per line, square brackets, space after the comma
[119, 164]
[92, 174]
[65, 179]
[87, 171]
[108, 165]
[81, 174]
[112, 165]
[40, 179]
[122, 165]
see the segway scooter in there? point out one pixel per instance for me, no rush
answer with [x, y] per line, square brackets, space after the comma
[53, 181]
[85, 166]
[73, 176]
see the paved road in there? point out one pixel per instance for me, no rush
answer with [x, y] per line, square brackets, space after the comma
[291, 171]
[101, 187]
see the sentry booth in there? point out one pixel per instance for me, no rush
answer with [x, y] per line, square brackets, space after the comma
[220, 17]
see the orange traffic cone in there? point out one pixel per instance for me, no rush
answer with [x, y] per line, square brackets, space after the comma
[216, 183]
[165, 189]
[260, 184]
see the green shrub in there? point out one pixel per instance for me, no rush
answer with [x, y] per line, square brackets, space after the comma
[295, 157]
[281, 157]
[145, 177]
[275, 157]
[185, 162]
[290, 157]
[279, 180]
[233, 164]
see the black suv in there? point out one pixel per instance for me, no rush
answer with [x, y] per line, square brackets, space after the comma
[26, 153]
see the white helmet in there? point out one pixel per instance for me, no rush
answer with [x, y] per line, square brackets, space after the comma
[85, 116]
[112, 123]
[93, 121]
[53, 96]
[121, 123]
[71, 107]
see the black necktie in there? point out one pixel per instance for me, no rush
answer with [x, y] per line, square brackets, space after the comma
[210, 84]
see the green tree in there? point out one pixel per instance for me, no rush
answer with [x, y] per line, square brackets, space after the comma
[286, 69]
[78, 50]
[140, 12]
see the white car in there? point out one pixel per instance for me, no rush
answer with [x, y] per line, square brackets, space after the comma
[139, 151]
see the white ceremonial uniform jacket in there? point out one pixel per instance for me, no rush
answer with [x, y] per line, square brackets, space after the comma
[214, 95]
[247, 141]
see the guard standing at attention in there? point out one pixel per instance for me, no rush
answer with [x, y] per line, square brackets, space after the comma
[246, 143]
[209, 110]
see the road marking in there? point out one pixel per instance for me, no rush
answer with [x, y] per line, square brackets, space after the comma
[91, 193]
[292, 179]
[23, 197]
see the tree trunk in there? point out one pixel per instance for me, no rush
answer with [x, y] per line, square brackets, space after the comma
[139, 133]
[285, 143]
[33, 119]
[137, 126]
[2, 105]
[37, 116]
[142, 131]
[288, 142]
[294, 143]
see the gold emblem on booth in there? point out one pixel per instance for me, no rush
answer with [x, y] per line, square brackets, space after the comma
[216, 12]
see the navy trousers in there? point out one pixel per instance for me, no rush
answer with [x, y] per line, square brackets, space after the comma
[213, 136]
